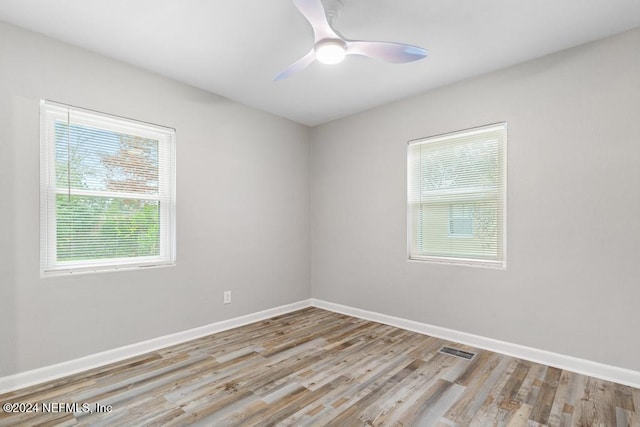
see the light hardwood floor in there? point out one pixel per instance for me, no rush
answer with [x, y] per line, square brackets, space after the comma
[315, 367]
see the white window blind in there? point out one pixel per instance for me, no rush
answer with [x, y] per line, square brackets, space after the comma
[456, 197]
[107, 192]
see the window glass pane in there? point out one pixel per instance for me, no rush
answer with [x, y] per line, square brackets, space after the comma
[476, 237]
[91, 228]
[467, 164]
[99, 159]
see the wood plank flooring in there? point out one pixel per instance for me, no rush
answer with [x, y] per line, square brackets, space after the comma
[317, 368]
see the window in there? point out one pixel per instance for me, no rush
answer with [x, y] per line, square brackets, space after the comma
[107, 198]
[456, 197]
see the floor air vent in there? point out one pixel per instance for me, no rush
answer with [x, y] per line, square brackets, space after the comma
[458, 353]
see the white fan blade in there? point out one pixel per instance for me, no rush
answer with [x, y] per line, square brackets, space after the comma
[299, 65]
[313, 10]
[386, 51]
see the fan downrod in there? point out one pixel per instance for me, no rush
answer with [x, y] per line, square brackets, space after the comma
[332, 8]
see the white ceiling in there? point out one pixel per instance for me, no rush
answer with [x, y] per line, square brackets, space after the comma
[235, 47]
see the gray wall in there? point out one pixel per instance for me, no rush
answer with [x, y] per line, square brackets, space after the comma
[242, 206]
[572, 283]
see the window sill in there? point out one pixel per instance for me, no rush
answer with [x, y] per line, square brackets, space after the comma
[100, 269]
[464, 262]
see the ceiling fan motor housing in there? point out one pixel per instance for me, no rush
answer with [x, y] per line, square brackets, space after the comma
[330, 51]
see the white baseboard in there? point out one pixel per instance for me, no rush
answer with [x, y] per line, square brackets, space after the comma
[59, 370]
[570, 363]
[581, 366]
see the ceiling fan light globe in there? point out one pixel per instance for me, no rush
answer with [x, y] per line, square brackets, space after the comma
[330, 51]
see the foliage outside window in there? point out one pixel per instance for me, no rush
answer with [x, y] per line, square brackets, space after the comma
[456, 197]
[107, 192]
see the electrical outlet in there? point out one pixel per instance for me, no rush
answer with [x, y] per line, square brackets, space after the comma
[227, 297]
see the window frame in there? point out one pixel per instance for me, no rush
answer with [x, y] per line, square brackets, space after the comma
[50, 113]
[500, 264]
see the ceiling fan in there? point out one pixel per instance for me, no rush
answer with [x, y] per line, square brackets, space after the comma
[330, 48]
